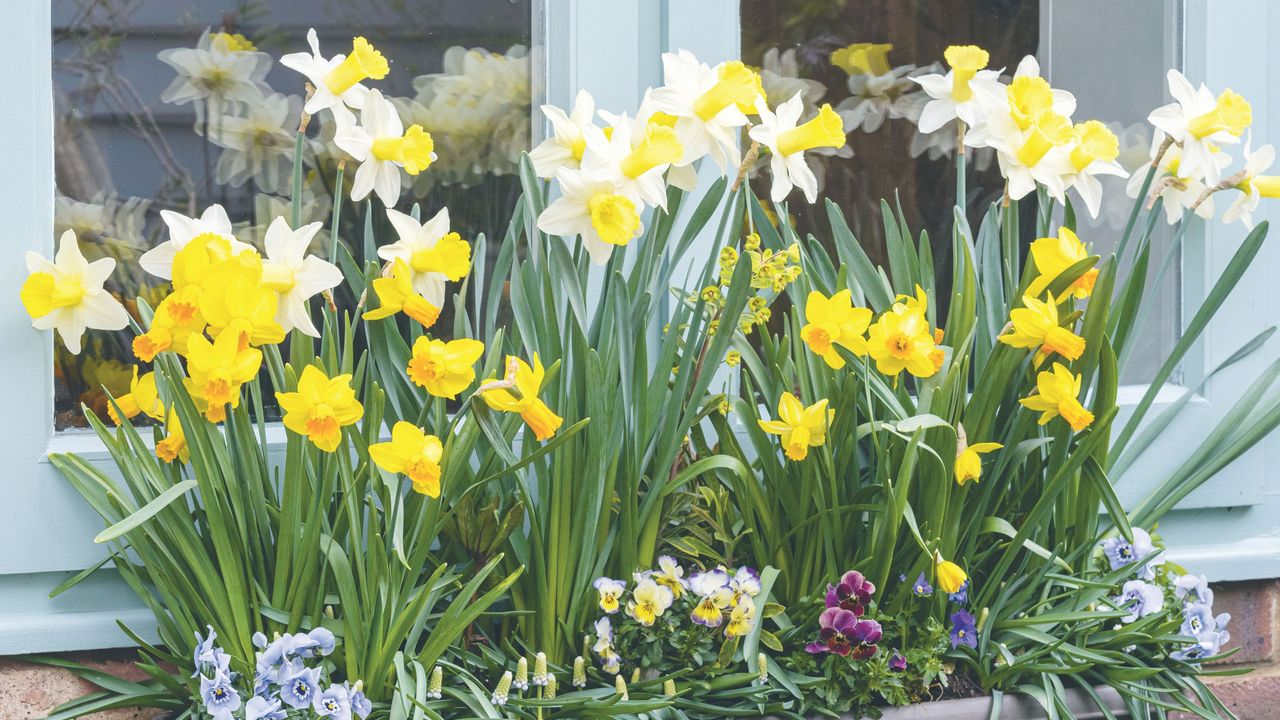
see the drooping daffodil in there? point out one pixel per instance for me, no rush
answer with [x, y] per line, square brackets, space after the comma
[383, 146]
[787, 140]
[413, 453]
[396, 293]
[527, 381]
[800, 427]
[951, 577]
[1052, 257]
[434, 253]
[1057, 393]
[1199, 123]
[67, 295]
[968, 467]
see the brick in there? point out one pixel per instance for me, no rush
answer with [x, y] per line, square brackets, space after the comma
[1254, 608]
[29, 691]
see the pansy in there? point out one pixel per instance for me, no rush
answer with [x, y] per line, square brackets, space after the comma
[207, 655]
[294, 275]
[1199, 123]
[333, 703]
[610, 592]
[338, 80]
[709, 105]
[852, 593]
[843, 633]
[741, 618]
[713, 593]
[670, 573]
[221, 700]
[565, 147]
[897, 663]
[961, 595]
[263, 708]
[1140, 598]
[964, 630]
[383, 146]
[610, 662]
[299, 685]
[787, 140]
[1120, 552]
[1193, 588]
[921, 586]
[431, 250]
[648, 601]
[67, 294]
[744, 583]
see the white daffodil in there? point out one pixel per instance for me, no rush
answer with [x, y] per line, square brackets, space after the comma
[294, 275]
[338, 80]
[633, 157]
[1093, 152]
[1253, 185]
[1179, 192]
[257, 144]
[431, 251]
[1029, 138]
[159, 260]
[220, 69]
[382, 145]
[877, 90]
[780, 79]
[709, 104]
[599, 212]
[1198, 122]
[566, 145]
[965, 92]
[787, 142]
[85, 218]
[66, 295]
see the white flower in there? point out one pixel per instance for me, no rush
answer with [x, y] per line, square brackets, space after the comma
[567, 143]
[1198, 122]
[337, 80]
[632, 157]
[780, 79]
[66, 295]
[1092, 153]
[787, 142]
[218, 70]
[709, 104]
[433, 253]
[1179, 192]
[1030, 135]
[965, 92]
[85, 218]
[1253, 185]
[597, 210]
[876, 90]
[159, 260]
[294, 275]
[381, 144]
[259, 144]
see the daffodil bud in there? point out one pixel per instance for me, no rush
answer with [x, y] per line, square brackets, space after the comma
[579, 672]
[328, 611]
[620, 687]
[503, 691]
[436, 686]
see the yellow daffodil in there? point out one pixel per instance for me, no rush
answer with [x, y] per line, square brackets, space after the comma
[432, 252]
[901, 340]
[800, 427]
[321, 407]
[950, 575]
[969, 458]
[414, 453]
[219, 368]
[834, 321]
[444, 368]
[648, 601]
[175, 320]
[143, 398]
[245, 305]
[1052, 256]
[740, 618]
[396, 294]
[1036, 327]
[174, 444]
[1057, 393]
[213, 260]
[863, 59]
[66, 295]
[527, 382]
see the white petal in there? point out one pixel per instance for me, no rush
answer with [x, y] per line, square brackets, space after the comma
[362, 184]
[564, 218]
[159, 260]
[406, 229]
[936, 114]
[315, 276]
[386, 183]
[101, 311]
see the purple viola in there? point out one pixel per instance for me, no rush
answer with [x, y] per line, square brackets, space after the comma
[897, 663]
[843, 633]
[852, 593]
[922, 588]
[964, 630]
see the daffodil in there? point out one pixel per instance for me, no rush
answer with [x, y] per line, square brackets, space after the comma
[950, 575]
[877, 90]
[565, 147]
[257, 144]
[709, 105]
[1093, 152]
[1036, 153]
[781, 80]
[610, 593]
[741, 618]
[1199, 122]
[1036, 326]
[965, 92]
[632, 157]
[1253, 184]
[527, 382]
[594, 210]
[382, 146]
[396, 294]
[1052, 256]
[143, 398]
[648, 601]
[214, 221]
[787, 142]
[968, 465]
[1057, 393]
[901, 340]
[174, 321]
[173, 446]
[66, 295]
[834, 321]
[218, 71]
[338, 80]
[320, 407]
[294, 275]
[413, 453]
[800, 427]
[432, 252]
[219, 368]
[1179, 191]
[245, 305]
[444, 368]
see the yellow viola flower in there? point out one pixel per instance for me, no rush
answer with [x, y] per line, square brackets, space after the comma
[321, 407]
[950, 575]
[901, 340]
[969, 458]
[219, 368]
[1036, 327]
[175, 320]
[610, 592]
[800, 427]
[396, 294]
[1056, 394]
[414, 453]
[66, 295]
[648, 601]
[740, 618]
[528, 382]
[1052, 256]
[174, 444]
[143, 398]
[444, 368]
[834, 321]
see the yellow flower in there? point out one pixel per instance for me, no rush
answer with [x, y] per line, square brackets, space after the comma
[528, 382]
[244, 304]
[175, 320]
[825, 130]
[174, 444]
[965, 62]
[1052, 256]
[66, 295]
[364, 63]
[1057, 393]
[901, 339]
[413, 453]
[950, 576]
[863, 58]
[414, 151]
[1036, 326]
[143, 397]
[800, 427]
[219, 368]
[968, 458]
[232, 42]
[396, 294]
[321, 407]
[834, 321]
[648, 601]
[209, 259]
[444, 368]
[740, 618]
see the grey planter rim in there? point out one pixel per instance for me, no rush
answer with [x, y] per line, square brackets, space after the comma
[1012, 707]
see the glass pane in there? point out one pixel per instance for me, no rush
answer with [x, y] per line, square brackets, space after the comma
[180, 104]
[860, 56]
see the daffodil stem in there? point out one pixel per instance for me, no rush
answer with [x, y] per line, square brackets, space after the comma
[961, 190]
[337, 211]
[295, 191]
